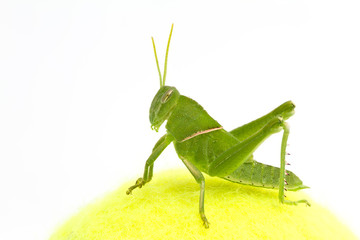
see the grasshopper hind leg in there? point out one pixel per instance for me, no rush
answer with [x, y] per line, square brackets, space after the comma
[282, 181]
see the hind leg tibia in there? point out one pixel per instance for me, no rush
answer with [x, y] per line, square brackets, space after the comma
[282, 181]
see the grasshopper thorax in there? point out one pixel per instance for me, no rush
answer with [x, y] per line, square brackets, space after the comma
[162, 105]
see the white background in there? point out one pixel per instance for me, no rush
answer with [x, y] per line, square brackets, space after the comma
[77, 79]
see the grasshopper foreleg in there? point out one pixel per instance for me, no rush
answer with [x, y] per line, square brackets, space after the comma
[148, 173]
[163, 142]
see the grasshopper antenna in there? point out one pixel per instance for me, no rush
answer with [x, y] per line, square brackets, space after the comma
[162, 79]
[166, 56]
[157, 62]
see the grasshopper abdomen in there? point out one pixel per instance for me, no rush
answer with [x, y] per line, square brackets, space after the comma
[261, 175]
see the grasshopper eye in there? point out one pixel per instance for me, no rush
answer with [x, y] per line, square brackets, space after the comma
[166, 96]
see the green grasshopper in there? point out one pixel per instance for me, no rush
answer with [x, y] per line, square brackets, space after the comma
[204, 146]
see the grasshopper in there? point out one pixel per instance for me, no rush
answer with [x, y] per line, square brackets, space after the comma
[204, 146]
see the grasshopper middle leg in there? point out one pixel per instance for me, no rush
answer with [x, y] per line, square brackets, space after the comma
[201, 181]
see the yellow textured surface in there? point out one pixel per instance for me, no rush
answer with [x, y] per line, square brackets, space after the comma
[167, 208]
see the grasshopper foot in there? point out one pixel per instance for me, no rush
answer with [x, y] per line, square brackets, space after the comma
[206, 222]
[138, 184]
[297, 202]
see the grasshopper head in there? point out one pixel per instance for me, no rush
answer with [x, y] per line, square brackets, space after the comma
[162, 105]
[166, 98]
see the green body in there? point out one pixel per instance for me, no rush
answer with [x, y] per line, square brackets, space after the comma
[205, 147]
[202, 150]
